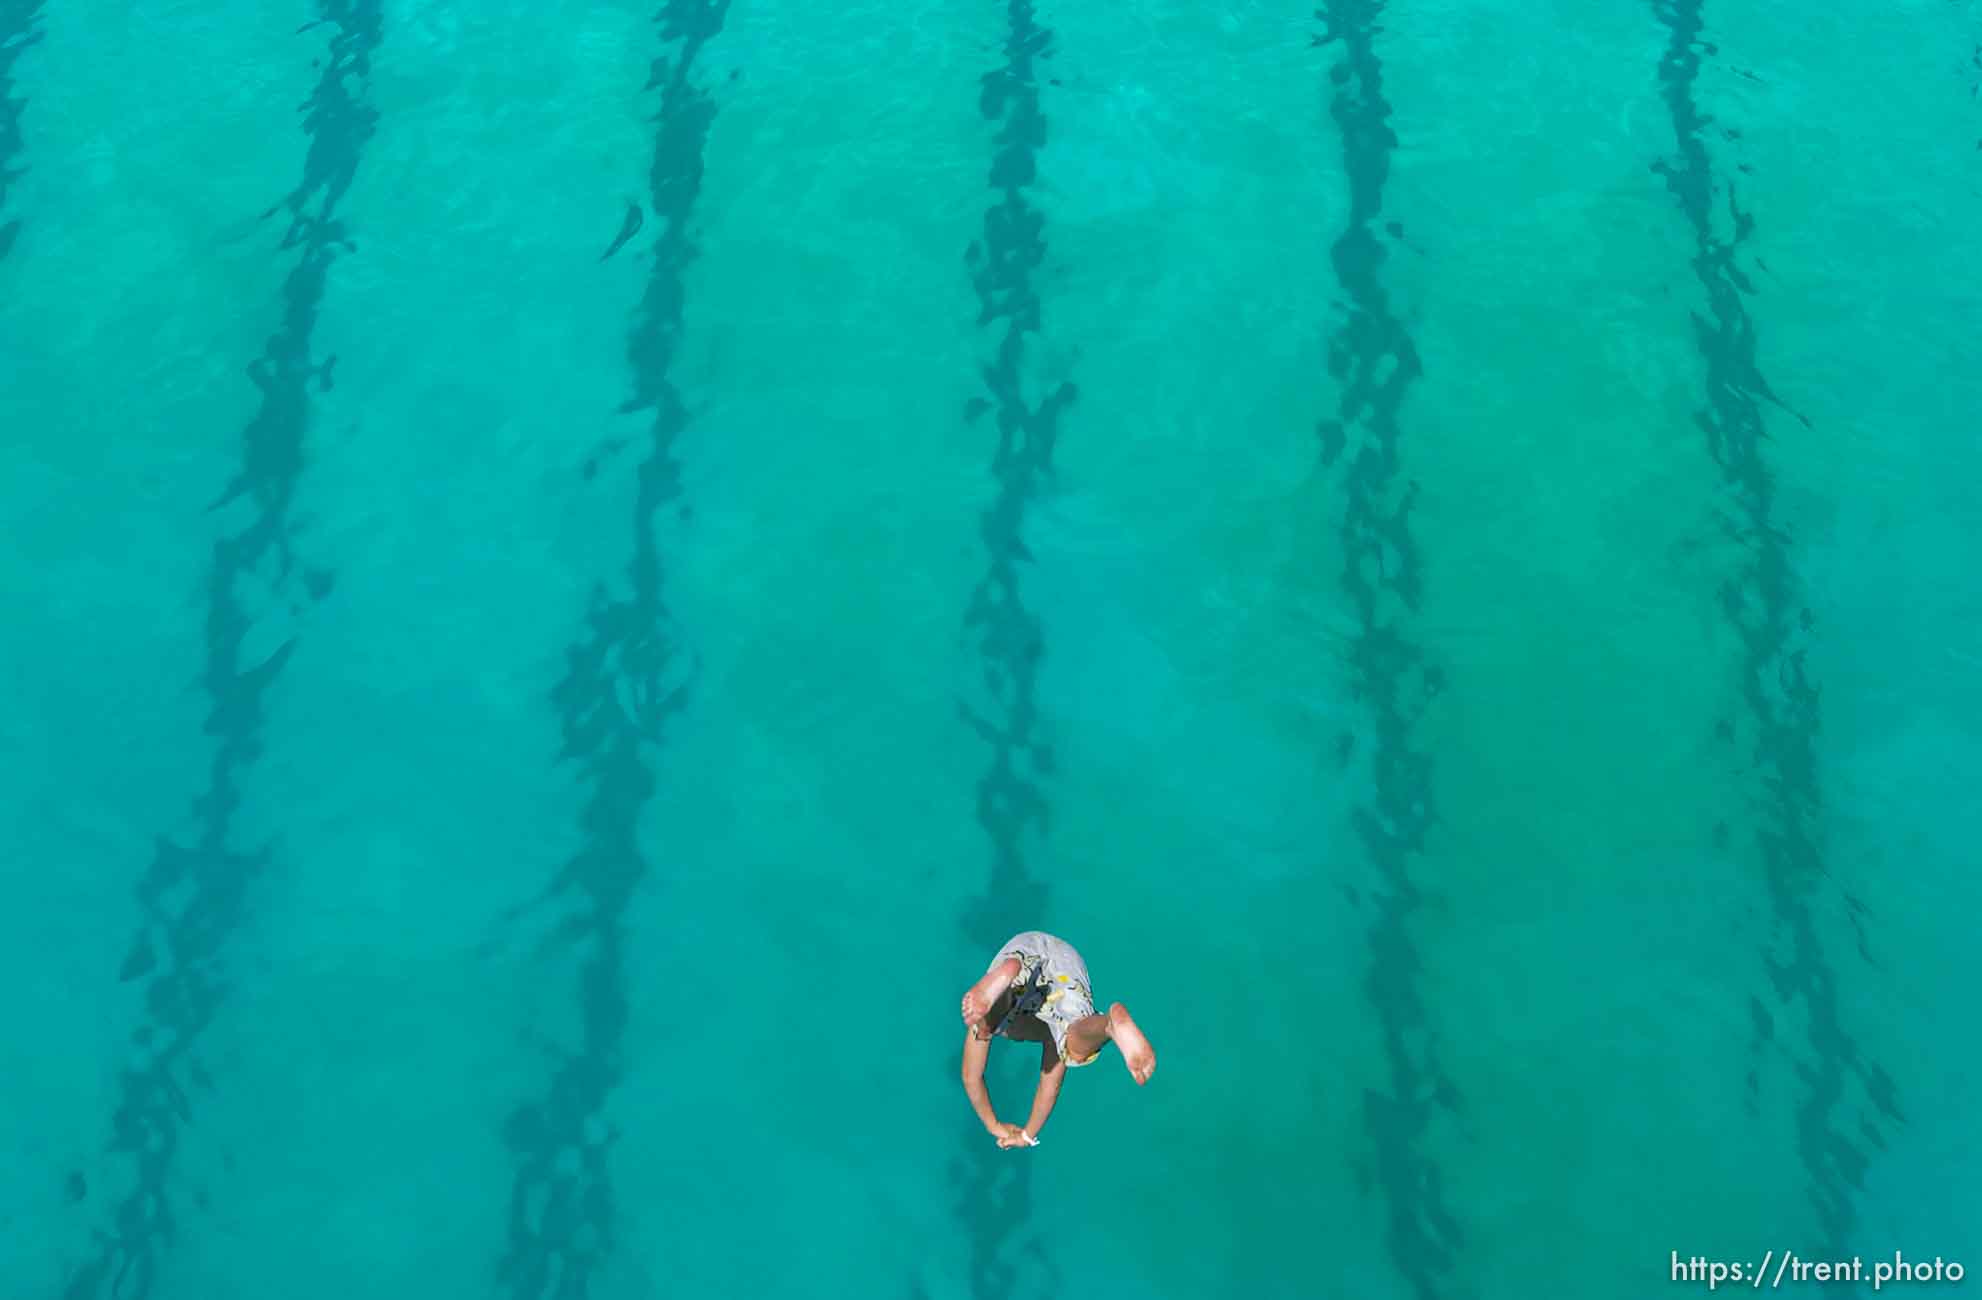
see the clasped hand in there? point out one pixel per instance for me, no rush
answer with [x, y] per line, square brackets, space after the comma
[1011, 1135]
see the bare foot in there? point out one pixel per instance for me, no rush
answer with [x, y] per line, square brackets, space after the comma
[1136, 1052]
[978, 1002]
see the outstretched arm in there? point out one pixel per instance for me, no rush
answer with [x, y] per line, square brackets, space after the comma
[975, 1049]
[1052, 1072]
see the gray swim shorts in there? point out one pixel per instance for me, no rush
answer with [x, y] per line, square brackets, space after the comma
[1051, 986]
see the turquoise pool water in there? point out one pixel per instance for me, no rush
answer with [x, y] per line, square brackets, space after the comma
[1434, 543]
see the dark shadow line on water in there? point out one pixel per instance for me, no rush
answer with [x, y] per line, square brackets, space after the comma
[19, 29]
[1011, 802]
[1763, 607]
[194, 895]
[1373, 362]
[626, 676]
[1975, 83]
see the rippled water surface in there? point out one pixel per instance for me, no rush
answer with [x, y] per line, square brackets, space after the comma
[1433, 542]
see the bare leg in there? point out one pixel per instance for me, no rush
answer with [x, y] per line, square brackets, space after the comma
[978, 1001]
[1085, 1038]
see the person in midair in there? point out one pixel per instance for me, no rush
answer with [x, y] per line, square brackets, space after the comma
[1036, 991]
